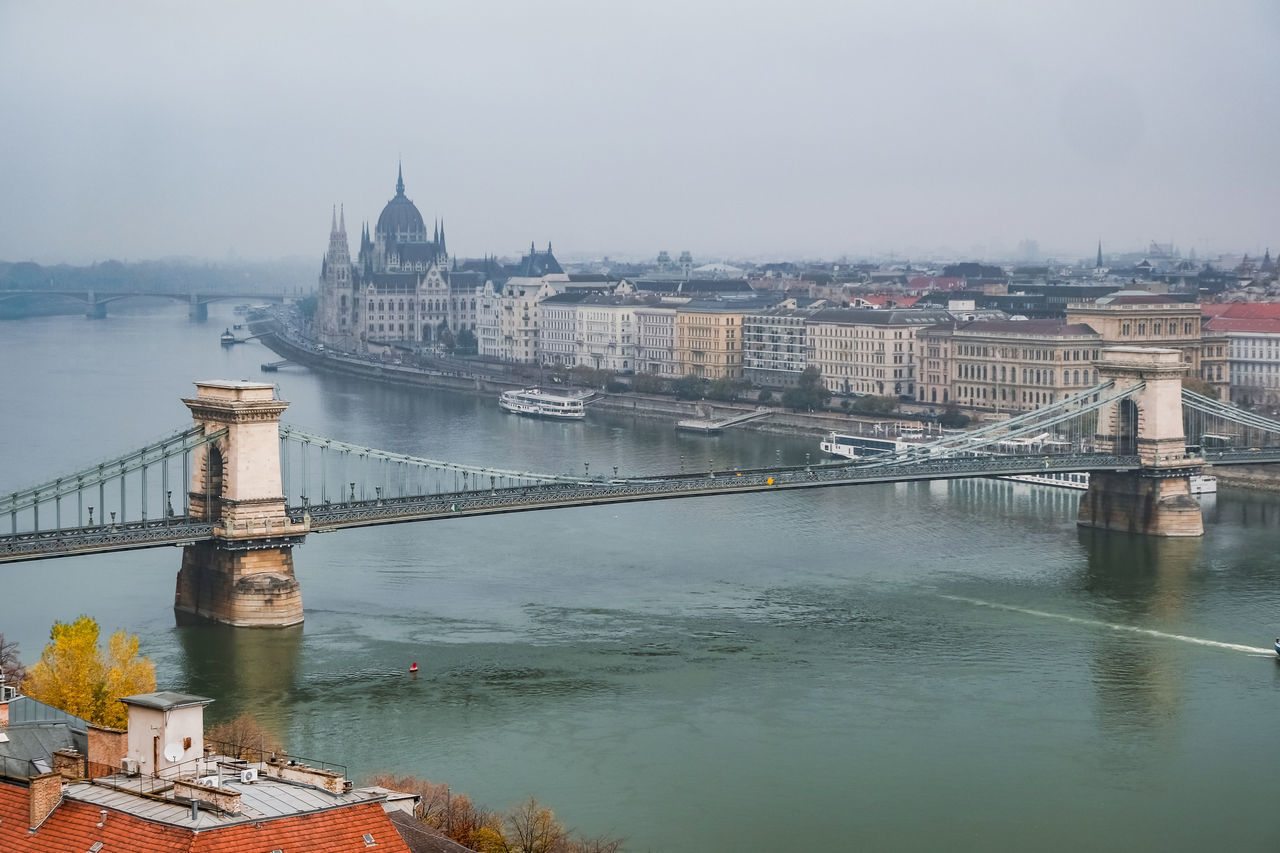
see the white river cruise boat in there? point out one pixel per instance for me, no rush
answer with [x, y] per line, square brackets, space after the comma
[1201, 484]
[540, 404]
[860, 446]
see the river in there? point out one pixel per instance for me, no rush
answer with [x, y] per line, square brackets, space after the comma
[898, 667]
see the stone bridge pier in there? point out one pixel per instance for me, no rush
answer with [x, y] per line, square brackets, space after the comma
[1156, 499]
[244, 574]
[197, 311]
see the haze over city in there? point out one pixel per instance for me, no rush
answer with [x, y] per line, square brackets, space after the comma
[141, 130]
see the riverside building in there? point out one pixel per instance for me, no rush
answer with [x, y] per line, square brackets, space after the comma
[869, 351]
[399, 290]
[1006, 365]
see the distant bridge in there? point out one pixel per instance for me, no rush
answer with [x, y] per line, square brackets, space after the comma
[249, 488]
[96, 301]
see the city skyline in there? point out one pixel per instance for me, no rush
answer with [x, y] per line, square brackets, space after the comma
[919, 130]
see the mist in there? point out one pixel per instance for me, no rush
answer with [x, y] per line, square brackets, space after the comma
[750, 130]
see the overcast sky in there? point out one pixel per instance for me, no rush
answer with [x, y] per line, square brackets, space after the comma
[138, 130]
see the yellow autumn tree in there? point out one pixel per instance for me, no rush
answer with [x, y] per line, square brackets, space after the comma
[76, 675]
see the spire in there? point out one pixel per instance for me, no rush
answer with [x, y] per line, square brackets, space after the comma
[342, 219]
[548, 247]
[436, 236]
[1099, 263]
[442, 249]
[399, 179]
[333, 228]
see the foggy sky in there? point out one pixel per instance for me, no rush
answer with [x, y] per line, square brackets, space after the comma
[138, 130]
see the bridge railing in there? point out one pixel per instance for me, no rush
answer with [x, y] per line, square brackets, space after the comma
[707, 482]
[119, 490]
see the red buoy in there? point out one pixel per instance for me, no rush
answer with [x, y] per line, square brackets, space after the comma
[413, 667]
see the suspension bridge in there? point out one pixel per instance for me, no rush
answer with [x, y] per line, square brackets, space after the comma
[238, 489]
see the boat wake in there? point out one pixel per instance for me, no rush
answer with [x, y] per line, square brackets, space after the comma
[1114, 626]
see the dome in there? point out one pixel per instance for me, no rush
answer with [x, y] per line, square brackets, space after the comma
[400, 221]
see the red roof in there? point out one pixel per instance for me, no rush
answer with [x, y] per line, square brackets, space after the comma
[1245, 310]
[1234, 324]
[73, 826]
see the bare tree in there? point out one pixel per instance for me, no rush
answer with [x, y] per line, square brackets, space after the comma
[244, 737]
[534, 829]
[10, 665]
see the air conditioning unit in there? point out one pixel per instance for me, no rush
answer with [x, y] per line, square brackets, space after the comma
[208, 781]
[249, 775]
[129, 766]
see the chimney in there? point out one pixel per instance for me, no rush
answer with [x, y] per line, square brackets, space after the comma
[69, 764]
[107, 747]
[44, 794]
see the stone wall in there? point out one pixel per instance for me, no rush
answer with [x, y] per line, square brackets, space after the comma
[1131, 503]
[254, 588]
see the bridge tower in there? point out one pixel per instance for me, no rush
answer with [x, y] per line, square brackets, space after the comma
[244, 574]
[1156, 499]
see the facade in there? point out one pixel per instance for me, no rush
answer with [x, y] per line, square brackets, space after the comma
[398, 291]
[709, 339]
[607, 333]
[1138, 318]
[656, 339]
[559, 333]
[869, 351]
[1253, 353]
[1006, 365]
[775, 347]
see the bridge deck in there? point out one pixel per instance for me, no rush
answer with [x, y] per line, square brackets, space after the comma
[587, 492]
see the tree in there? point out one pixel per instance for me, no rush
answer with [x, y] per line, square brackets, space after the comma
[952, 418]
[875, 405]
[647, 383]
[452, 814]
[445, 337]
[75, 675]
[307, 307]
[809, 393]
[244, 737]
[764, 396]
[531, 828]
[689, 387]
[467, 343]
[10, 665]
[1196, 385]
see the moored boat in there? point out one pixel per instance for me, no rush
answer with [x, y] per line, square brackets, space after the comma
[540, 404]
[227, 338]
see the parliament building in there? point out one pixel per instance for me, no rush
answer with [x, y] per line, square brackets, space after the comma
[400, 289]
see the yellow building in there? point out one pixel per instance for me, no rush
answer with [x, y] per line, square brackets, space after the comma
[869, 351]
[709, 339]
[1006, 365]
[1137, 318]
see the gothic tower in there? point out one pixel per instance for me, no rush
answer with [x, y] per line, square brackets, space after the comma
[337, 301]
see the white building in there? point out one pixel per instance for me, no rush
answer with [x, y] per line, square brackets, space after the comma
[1253, 356]
[775, 346]
[656, 339]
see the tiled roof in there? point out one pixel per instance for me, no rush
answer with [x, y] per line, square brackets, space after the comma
[1235, 324]
[1034, 328]
[73, 826]
[1246, 310]
[881, 317]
